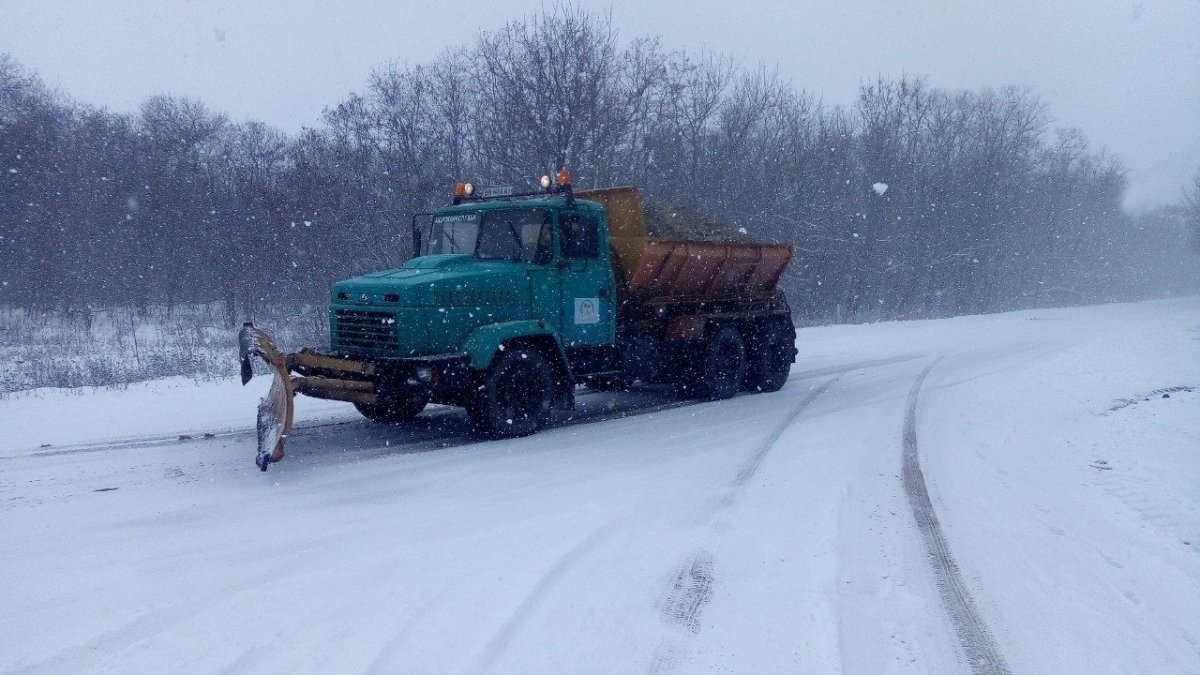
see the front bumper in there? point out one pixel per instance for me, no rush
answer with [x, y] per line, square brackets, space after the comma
[376, 379]
[369, 380]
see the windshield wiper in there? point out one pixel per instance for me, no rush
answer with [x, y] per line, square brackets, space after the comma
[516, 238]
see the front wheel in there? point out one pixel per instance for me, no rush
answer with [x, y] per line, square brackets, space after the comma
[515, 395]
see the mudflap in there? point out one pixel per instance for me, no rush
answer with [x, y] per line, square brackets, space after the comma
[276, 409]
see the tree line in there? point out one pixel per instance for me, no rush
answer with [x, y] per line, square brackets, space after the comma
[913, 201]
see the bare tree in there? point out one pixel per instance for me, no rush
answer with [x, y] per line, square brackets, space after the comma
[1191, 200]
[913, 202]
[555, 90]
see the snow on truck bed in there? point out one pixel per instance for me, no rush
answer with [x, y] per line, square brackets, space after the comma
[1029, 506]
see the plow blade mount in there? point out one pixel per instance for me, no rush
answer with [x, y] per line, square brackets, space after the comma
[275, 410]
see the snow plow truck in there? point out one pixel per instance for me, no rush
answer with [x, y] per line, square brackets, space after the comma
[512, 299]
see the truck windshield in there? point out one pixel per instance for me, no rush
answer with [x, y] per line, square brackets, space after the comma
[453, 234]
[520, 236]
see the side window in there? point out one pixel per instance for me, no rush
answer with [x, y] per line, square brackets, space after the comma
[579, 238]
[543, 249]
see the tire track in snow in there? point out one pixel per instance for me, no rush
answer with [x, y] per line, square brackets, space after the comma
[550, 578]
[691, 591]
[982, 654]
[692, 584]
[123, 640]
[389, 658]
[769, 442]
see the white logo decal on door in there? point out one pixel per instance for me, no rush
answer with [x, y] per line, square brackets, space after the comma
[587, 310]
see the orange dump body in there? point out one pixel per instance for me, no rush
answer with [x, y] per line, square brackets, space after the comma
[673, 269]
[698, 270]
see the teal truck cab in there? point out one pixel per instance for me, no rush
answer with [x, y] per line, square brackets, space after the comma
[513, 300]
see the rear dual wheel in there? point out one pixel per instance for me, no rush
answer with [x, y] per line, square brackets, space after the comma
[773, 350]
[718, 369]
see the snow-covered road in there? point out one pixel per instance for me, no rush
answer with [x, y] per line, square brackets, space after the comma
[762, 534]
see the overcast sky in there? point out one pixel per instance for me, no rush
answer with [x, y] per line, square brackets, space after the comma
[1126, 72]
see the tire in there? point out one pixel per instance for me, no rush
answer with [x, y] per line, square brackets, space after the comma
[394, 412]
[719, 367]
[515, 395]
[773, 353]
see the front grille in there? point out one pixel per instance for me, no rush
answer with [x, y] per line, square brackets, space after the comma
[372, 330]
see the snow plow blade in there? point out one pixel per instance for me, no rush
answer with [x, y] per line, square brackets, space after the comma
[326, 376]
[275, 410]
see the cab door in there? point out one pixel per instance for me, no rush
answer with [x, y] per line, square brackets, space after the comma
[545, 285]
[588, 316]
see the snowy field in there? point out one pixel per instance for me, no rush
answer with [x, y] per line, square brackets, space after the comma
[1004, 493]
